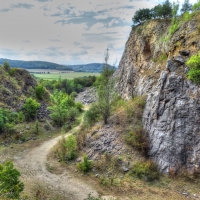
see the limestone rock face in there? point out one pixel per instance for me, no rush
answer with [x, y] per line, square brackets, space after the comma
[153, 67]
[172, 119]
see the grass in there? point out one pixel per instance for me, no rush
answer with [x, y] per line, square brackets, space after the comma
[56, 75]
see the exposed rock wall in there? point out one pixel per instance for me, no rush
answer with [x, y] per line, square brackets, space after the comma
[172, 113]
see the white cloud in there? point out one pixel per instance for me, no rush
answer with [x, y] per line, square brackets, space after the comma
[66, 31]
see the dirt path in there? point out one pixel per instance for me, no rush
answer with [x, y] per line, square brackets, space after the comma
[32, 165]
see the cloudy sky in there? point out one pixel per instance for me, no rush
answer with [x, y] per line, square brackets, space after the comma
[66, 31]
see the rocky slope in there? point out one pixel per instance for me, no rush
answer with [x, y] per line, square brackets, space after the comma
[153, 64]
[15, 88]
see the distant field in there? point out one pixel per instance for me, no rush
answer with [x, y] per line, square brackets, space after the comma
[55, 74]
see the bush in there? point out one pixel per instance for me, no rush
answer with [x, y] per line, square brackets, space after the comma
[21, 117]
[79, 106]
[147, 170]
[6, 66]
[86, 165]
[72, 113]
[174, 27]
[194, 65]
[36, 127]
[138, 139]
[71, 146]
[66, 149]
[196, 6]
[12, 71]
[39, 91]
[10, 186]
[7, 121]
[30, 108]
[91, 116]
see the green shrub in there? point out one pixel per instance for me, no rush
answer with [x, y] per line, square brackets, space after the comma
[7, 121]
[36, 127]
[73, 95]
[12, 71]
[30, 108]
[194, 65]
[86, 165]
[67, 148]
[147, 170]
[71, 147]
[21, 117]
[174, 27]
[187, 16]
[39, 91]
[91, 116]
[10, 186]
[6, 66]
[72, 113]
[9, 128]
[79, 106]
[196, 6]
[138, 139]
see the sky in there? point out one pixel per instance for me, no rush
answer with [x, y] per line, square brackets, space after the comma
[67, 31]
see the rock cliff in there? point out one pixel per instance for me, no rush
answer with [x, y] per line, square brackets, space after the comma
[153, 64]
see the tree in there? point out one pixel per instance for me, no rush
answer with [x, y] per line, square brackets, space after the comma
[30, 108]
[196, 6]
[6, 66]
[186, 7]
[175, 7]
[142, 15]
[105, 90]
[10, 186]
[166, 9]
[61, 104]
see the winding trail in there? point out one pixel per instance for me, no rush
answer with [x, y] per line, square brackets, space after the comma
[32, 165]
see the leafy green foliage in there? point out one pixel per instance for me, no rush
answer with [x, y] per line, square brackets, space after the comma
[86, 165]
[36, 127]
[6, 66]
[159, 11]
[196, 6]
[62, 108]
[21, 117]
[147, 170]
[39, 91]
[79, 106]
[194, 65]
[91, 115]
[186, 7]
[10, 186]
[142, 15]
[72, 113]
[173, 28]
[105, 90]
[71, 147]
[138, 139]
[12, 71]
[30, 108]
[7, 121]
[69, 86]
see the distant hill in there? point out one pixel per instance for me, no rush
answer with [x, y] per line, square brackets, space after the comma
[34, 64]
[93, 67]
